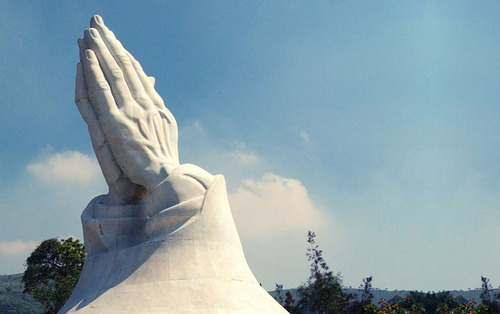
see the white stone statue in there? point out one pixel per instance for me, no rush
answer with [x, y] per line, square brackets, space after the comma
[163, 239]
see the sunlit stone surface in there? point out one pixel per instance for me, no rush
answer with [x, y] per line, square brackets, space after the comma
[163, 239]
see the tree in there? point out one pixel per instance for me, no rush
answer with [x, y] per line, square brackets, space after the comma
[288, 301]
[52, 272]
[367, 295]
[428, 302]
[290, 305]
[364, 304]
[486, 287]
[279, 296]
[323, 291]
[489, 304]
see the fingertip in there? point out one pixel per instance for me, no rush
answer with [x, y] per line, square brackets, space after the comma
[94, 33]
[152, 80]
[91, 35]
[82, 44]
[86, 34]
[96, 20]
[90, 55]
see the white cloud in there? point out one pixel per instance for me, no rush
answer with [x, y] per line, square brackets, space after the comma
[273, 206]
[17, 247]
[244, 158]
[242, 155]
[13, 255]
[70, 166]
[46, 203]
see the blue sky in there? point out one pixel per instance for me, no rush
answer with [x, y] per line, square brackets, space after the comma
[374, 123]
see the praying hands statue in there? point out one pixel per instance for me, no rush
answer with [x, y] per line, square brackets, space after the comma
[133, 134]
[163, 238]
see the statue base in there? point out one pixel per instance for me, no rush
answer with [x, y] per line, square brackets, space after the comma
[197, 267]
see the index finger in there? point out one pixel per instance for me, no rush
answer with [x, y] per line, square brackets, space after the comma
[111, 69]
[118, 52]
[98, 88]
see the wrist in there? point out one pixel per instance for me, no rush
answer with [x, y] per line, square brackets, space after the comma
[157, 173]
[125, 194]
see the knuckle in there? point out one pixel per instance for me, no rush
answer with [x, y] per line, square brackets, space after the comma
[117, 74]
[123, 59]
[102, 84]
[143, 99]
[137, 65]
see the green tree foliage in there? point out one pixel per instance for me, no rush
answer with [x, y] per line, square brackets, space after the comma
[279, 293]
[441, 303]
[323, 291]
[428, 302]
[52, 272]
[367, 295]
[395, 308]
[364, 304]
[322, 294]
[449, 304]
[486, 287]
[490, 304]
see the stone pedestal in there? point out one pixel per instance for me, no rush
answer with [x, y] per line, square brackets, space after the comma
[184, 259]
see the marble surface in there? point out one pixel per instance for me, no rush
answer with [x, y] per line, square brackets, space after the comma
[163, 238]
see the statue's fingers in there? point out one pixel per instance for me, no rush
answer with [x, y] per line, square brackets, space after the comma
[110, 169]
[82, 47]
[121, 57]
[171, 138]
[169, 125]
[111, 69]
[112, 121]
[98, 88]
[81, 98]
[140, 85]
[148, 82]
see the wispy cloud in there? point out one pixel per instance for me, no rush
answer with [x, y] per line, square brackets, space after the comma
[13, 254]
[69, 166]
[244, 158]
[272, 206]
[304, 135]
[44, 202]
[17, 247]
[230, 157]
